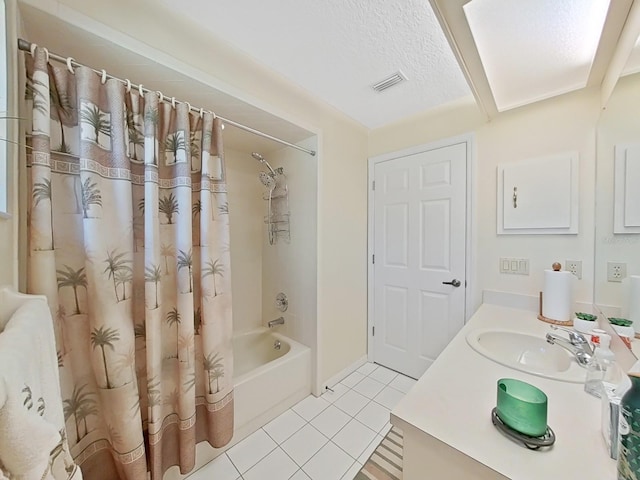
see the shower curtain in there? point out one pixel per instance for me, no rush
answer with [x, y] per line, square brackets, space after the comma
[128, 237]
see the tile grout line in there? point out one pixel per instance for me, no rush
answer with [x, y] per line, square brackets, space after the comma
[330, 439]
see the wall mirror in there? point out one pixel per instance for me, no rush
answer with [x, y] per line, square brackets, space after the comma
[617, 250]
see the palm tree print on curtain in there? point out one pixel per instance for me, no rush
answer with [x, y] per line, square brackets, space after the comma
[104, 337]
[41, 192]
[90, 196]
[185, 261]
[173, 318]
[116, 265]
[135, 136]
[168, 206]
[154, 275]
[177, 146]
[215, 370]
[95, 125]
[212, 269]
[80, 405]
[143, 328]
[74, 279]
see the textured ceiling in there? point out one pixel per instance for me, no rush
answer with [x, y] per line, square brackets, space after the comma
[336, 49]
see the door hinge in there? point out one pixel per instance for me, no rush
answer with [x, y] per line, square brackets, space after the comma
[373, 258]
[373, 331]
[373, 185]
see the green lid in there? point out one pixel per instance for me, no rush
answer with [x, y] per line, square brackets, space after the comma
[522, 407]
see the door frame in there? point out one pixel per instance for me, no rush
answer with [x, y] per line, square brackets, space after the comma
[470, 234]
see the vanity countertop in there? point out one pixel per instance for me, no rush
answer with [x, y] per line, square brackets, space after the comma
[452, 402]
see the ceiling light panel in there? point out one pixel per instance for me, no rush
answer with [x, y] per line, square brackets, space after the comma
[535, 49]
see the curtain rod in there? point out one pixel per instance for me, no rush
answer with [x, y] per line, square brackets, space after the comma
[26, 46]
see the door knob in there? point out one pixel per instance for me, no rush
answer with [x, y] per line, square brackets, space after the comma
[455, 282]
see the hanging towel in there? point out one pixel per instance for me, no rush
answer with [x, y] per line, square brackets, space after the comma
[32, 432]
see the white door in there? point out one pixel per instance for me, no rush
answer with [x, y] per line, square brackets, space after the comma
[419, 244]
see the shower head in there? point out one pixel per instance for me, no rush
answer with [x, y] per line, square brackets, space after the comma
[268, 180]
[261, 159]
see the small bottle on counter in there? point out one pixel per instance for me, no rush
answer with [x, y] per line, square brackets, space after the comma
[600, 364]
[629, 430]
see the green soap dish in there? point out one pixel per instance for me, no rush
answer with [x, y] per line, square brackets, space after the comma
[522, 407]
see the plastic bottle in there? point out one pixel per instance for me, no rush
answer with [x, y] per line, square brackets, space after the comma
[603, 360]
[629, 429]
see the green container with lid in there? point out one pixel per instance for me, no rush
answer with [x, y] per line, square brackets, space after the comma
[522, 407]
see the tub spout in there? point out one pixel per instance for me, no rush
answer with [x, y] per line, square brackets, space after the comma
[277, 321]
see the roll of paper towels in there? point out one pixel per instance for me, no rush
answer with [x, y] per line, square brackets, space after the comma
[557, 295]
[633, 301]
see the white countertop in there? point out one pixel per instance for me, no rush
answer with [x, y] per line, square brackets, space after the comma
[453, 400]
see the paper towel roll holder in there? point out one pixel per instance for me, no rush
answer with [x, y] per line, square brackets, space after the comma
[568, 323]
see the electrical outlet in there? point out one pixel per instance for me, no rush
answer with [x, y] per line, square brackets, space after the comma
[616, 272]
[574, 266]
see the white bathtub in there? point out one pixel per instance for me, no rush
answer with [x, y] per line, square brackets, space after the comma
[266, 381]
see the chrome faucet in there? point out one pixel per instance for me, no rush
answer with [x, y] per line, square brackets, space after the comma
[277, 321]
[576, 344]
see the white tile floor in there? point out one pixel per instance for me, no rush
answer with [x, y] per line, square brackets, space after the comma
[325, 438]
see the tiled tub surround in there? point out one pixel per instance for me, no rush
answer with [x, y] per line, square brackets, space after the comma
[267, 382]
[446, 416]
[325, 438]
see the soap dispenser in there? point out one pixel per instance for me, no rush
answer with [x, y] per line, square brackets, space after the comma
[601, 362]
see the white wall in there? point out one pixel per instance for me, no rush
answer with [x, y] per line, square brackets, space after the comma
[292, 267]
[245, 224]
[619, 124]
[565, 123]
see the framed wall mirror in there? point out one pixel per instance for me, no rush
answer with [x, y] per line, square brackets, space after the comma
[617, 238]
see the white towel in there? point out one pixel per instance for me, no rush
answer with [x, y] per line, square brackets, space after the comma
[31, 417]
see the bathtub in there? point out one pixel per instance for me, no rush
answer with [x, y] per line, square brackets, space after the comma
[267, 382]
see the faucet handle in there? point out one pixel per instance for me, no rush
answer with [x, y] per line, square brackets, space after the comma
[575, 337]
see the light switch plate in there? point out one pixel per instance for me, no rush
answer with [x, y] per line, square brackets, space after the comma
[516, 266]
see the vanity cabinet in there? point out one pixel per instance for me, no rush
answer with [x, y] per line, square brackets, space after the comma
[539, 195]
[446, 416]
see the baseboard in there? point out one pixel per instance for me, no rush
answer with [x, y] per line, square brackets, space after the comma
[522, 301]
[338, 377]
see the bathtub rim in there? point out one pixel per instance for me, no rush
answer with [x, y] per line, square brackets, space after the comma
[295, 349]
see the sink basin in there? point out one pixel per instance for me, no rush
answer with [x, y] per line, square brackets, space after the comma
[527, 353]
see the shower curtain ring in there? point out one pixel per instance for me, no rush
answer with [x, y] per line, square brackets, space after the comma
[213, 113]
[70, 61]
[173, 102]
[141, 90]
[160, 96]
[32, 49]
[188, 107]
[103, 78]
[128, 85]
[201, 112]
[46, 54]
